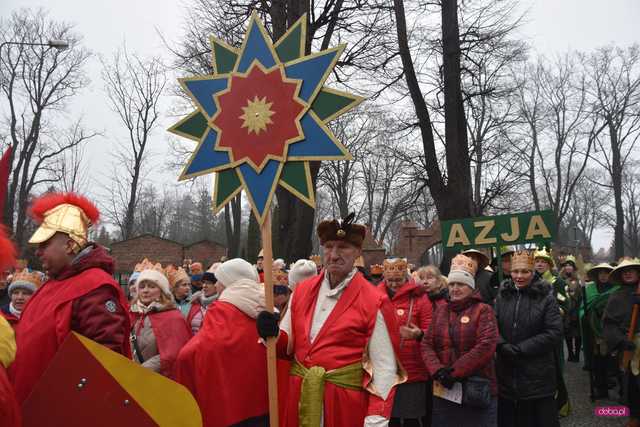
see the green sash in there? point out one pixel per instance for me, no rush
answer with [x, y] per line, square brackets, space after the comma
[312, 391]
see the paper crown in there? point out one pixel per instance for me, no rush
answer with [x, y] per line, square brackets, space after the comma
[376, 270]
[280, 277]
[66, 213]
[317, 259]
[342, 229]
[196, 268]
[464, 263]
[395, 267]
[33, 277]
[545, 255]
[569, 259]
[522, 260]
[176, 275]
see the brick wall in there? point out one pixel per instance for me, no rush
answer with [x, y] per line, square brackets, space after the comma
[206, 252]
[128, 253]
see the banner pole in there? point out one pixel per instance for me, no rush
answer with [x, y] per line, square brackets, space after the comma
[267, 252]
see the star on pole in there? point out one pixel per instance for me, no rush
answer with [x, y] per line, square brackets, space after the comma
[262, 117]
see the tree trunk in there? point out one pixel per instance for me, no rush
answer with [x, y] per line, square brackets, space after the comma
[253, 238]
[459, 186]
[616, 182]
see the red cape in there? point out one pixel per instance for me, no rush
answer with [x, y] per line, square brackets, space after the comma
[171, 332]
[46, 322]
[9, 409]
[225, 367]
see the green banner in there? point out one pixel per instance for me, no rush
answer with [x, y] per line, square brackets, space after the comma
[529, 227]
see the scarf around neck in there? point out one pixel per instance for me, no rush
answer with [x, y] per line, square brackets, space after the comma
[246, 295]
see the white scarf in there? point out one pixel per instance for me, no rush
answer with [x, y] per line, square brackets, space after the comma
[246, 295]
[14, 310]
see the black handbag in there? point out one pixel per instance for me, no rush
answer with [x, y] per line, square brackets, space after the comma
[476, 390]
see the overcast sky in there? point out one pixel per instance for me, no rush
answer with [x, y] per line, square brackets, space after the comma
[551, 26]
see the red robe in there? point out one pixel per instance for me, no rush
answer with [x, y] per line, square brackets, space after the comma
[225, 368]
[342, 341]
[9, 409]
[47, 317]
[171, 332]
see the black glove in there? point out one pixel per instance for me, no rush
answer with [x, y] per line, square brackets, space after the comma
[267, 324]
[510, 350]
[443, 376]
[627, 345]
[447, 380]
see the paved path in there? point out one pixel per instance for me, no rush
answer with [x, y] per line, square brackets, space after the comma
[582, 414]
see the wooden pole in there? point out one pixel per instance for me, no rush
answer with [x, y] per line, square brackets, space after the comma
[267, 252]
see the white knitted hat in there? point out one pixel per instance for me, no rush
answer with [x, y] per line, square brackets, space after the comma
[302, 269]
[460, 276]
[158, 278]
[235, 269]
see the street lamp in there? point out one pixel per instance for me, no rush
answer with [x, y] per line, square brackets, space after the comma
[57, 44]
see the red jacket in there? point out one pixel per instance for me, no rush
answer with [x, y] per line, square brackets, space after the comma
[342, 341]
[10, 317]
[411, 298]
[171, 332]
[473, 324]
[83, 298]
[225, 368]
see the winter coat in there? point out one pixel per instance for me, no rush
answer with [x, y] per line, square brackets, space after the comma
[572, 318]
[195, 318]
[157, 336]
[439, 298]
[483, 284]
[530, 319]
[472, 325]
[411, 298]
[617, 317]
[184, 305]
[7, 314]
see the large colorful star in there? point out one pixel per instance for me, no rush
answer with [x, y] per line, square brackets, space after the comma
[263, 116]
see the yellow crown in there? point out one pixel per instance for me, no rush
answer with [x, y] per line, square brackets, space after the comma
[280, 277]
[377, 269]
[25, 275]
[522, 260]
[176, 275]
[464, 263]
[545, 255]
[395, 267]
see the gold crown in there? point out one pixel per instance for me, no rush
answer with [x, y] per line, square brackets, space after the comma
[522, 260]
[395, 267]
[280, 277]
[25, 275]
[545, 255]
[377, 269]
[464, 263]
[175, 275]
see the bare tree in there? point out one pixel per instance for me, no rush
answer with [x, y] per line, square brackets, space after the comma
[569, 132]
[631, 198]
[614, 90]
[588, 209]
[37, 82]
[134, 86]
[69, 170]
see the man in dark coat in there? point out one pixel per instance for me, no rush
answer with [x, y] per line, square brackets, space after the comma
[483, 276]
[616, 323]
[530, 328]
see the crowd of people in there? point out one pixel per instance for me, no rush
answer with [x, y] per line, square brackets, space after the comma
[386, 344]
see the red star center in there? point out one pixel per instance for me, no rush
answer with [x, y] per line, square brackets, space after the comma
[258, 115]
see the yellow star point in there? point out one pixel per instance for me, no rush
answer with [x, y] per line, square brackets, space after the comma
[257, 115]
